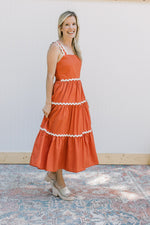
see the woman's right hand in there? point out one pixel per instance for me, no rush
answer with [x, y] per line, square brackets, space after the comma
[46, 110]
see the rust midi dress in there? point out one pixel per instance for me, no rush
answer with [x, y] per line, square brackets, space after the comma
[65, 139]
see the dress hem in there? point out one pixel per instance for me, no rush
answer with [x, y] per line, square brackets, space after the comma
[69, 170]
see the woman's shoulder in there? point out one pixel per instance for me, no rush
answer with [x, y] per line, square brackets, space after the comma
[53, 47]
[54, 44]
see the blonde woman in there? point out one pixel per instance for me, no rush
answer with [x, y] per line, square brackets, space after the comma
[65, 140]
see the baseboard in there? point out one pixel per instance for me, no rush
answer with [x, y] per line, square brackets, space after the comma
[104, 158]
[124, 159]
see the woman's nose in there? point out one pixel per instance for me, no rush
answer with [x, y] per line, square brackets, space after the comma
[71, 26]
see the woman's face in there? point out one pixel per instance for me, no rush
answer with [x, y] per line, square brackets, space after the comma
[69, 27]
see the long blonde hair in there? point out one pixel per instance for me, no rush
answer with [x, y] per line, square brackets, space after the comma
[75, 40]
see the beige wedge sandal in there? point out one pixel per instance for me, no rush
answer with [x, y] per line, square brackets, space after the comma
[63, 193]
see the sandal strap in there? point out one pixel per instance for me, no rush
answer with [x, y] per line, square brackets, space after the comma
[64, 191]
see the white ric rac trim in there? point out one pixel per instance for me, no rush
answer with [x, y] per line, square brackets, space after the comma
[60, 47]
[70, 79]
[67, 103]
[66, 135]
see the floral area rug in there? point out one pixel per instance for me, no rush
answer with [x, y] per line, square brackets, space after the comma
[105, 195]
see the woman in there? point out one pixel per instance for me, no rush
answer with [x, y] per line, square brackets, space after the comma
[65, 140]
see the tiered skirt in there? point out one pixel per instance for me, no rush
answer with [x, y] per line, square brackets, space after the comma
[65, 139]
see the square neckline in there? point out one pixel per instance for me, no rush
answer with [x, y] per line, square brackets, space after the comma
[64, 51]
[67, 55]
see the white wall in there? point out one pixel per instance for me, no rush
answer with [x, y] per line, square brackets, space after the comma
[115, 73]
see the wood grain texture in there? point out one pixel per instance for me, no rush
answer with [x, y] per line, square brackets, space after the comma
[104, 158]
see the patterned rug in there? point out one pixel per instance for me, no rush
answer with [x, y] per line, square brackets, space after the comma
[105, 195]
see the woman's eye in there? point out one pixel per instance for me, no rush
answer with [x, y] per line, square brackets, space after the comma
[73, 24]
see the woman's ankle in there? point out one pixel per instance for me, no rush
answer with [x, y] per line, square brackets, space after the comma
[51, 174]
[60, 184]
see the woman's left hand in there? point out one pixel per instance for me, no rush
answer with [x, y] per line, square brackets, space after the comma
[46, 110]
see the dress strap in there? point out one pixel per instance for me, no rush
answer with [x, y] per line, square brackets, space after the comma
[64, 52]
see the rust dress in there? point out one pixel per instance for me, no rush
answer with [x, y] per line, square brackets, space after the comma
[65, 139]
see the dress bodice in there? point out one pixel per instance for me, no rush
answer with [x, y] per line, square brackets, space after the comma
[69, 66]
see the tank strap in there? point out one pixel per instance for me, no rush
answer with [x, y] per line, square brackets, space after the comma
[64, 52]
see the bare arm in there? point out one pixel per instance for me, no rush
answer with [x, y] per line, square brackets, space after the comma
[52, 58]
